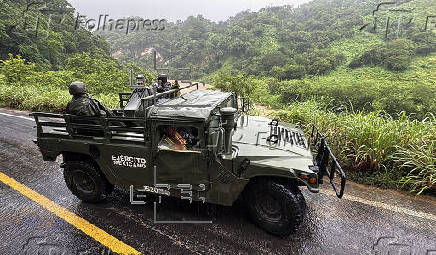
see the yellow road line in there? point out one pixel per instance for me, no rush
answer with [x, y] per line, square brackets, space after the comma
[85, 226]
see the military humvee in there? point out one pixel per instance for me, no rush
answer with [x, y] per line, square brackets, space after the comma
[226, 155]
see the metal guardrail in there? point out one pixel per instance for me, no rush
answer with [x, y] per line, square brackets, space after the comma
[326, 161]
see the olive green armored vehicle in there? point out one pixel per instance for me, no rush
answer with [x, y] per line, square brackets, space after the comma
[202, 141]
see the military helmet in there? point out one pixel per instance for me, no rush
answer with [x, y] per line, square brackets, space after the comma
[77, 88]
[163, 78]
[140, 80]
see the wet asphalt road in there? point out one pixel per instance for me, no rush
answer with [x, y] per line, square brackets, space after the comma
[366, 221]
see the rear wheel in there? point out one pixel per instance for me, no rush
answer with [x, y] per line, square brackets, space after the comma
[274, 207]
[86, 182]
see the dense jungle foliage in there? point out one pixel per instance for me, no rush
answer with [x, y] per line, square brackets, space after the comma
[332, 63]
[43, 32]
[287, 42]
[37, 65]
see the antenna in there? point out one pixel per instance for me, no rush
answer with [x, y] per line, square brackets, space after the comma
[154, 60]
[131, 77]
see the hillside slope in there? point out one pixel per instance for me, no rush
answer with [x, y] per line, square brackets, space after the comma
[313, 39]
[44, 32]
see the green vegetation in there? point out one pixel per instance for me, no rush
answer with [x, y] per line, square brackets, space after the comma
[24, 87]
[370, 89]
[395, 55]
[36, 66]
[285, 42]
[55, 39]
[374, 147]
[372, 93]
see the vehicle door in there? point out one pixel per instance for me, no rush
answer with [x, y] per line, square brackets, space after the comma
[176, 165]
[128, 156]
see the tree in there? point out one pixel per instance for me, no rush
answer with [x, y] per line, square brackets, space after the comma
[15, 69]
[394, 55]
[55, 38]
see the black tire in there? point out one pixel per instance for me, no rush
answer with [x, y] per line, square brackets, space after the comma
[274, 207]
[86, 182]
[299, 195]
[301, 201]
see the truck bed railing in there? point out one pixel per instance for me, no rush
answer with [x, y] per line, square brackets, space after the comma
[89, 127]
[40, 124]
[124, 98]
[326, 162]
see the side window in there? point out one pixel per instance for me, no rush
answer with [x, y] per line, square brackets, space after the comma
[178, 138]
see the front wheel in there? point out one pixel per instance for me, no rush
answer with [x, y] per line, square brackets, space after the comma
[86, 182]
[275, 207]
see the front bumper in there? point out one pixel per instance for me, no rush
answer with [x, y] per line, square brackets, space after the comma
[326, 162]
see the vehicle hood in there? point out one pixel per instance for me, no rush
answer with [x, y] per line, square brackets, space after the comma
[251, 141]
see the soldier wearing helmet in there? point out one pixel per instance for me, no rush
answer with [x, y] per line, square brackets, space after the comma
[140, 80]
[82, 104]
[163, 83]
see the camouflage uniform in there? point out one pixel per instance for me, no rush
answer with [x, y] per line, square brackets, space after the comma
[83, 105]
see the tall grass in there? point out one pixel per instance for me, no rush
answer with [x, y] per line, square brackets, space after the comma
[370, 89]
[421, 161]
[49, 99]
[375, 147]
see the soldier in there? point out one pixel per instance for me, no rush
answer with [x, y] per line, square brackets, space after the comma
[140, 80]
[176, 86]
[163, 84]
[83, 105]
